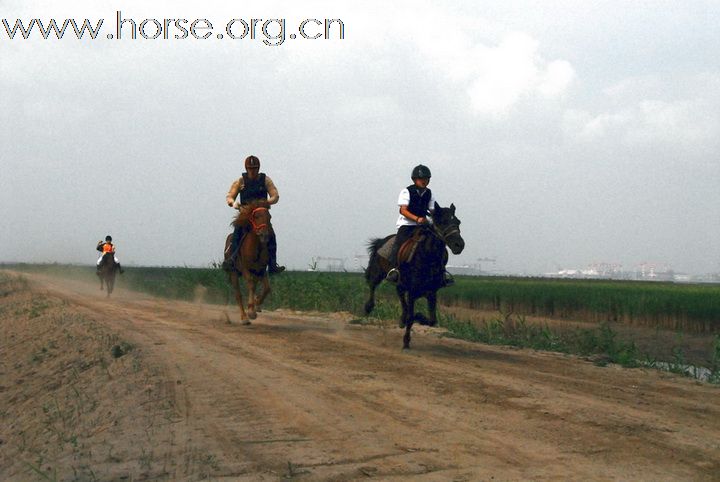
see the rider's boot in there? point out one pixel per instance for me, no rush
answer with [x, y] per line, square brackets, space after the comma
[393, 276]
[228, 264]
[448, 279]
[120, 268]
[273, 267]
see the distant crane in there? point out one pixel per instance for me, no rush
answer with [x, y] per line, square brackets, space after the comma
[483, 260]
[333, 264]
[361, 260]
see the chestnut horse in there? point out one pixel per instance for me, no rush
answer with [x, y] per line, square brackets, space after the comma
[422, 272]
[107, 272]
[252, 258]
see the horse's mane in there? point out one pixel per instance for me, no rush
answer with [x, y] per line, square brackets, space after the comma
[243, 216]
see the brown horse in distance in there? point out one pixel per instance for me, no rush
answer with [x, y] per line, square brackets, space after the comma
[107, 272]
[252, 258]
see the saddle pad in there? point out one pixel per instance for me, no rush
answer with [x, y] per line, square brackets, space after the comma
[385, 249]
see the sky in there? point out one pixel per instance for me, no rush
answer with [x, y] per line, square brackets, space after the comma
[565, 132]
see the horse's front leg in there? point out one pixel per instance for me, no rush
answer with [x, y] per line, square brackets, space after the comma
[250, 280]
[265, 291]
[409, 321]
[432, 308]
[406, 315]
[235, 281]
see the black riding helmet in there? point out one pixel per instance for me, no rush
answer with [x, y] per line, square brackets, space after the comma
[420, 171]
[108, 238]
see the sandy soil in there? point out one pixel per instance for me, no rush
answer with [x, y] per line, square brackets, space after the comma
[138, 388]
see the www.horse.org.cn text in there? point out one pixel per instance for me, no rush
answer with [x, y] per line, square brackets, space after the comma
[272, 32]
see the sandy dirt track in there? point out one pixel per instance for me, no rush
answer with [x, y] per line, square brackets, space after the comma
[312, 397]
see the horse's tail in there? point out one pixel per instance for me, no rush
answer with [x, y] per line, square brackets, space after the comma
[374, 271]
[374, 245]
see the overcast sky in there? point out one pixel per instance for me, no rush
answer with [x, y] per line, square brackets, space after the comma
[565, 132]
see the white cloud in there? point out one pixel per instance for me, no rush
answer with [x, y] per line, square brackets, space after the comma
[686, 123]
[557, 77]
[496, 76]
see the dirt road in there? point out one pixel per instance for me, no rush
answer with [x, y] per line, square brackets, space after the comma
[315, 398]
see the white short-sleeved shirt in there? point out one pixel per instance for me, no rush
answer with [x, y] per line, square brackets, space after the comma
[404, 200]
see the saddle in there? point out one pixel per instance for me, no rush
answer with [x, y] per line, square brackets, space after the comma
[406, 251]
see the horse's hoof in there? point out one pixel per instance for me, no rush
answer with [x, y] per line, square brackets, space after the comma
[252, 315]
[245, 322]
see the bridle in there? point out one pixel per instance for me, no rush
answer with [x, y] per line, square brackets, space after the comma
[446, 232]
[257, 227]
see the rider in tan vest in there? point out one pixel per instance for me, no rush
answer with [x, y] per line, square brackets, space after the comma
[253, 185]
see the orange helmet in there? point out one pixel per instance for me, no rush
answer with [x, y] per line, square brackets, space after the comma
[252, 161]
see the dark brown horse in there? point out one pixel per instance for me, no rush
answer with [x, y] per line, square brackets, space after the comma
[422, 267]
[252, 258]
[106, 273]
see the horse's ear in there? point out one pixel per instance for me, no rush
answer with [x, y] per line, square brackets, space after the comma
[452, 207]
[437, 207]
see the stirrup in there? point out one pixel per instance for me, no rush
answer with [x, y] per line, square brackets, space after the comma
[393, 276]
[448, 279]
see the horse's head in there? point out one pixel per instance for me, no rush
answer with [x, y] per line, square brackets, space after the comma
[255, 215]
[447, 226]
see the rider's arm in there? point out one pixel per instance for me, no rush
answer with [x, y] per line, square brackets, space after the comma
[431, 205]
[273, 195]
[233, 192]
[406, 212]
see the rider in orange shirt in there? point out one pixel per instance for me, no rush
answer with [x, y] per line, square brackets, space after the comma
[107, 246]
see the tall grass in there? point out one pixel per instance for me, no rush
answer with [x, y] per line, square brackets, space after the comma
[692, 308]
[688, 308]
[506, 330]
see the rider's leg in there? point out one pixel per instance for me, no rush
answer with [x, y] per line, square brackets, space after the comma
[117, 262]
[404, 233]
[448, 279]
[273, 267]
[228, 263]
